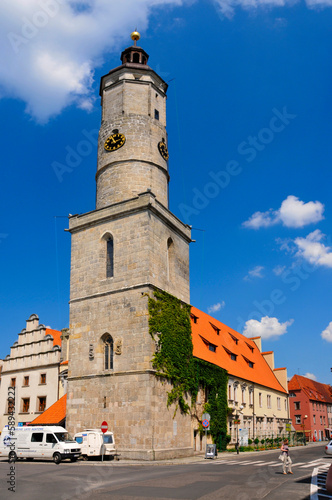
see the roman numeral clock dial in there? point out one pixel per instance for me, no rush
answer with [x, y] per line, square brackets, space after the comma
[114, 142]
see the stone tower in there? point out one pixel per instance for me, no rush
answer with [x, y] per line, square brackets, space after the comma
[130, 245]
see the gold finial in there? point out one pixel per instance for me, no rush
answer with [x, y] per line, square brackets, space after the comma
[135, 36]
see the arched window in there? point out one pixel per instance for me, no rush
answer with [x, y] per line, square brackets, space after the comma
[136, 57]
[108, 352]
[170, 258]
[109, 257]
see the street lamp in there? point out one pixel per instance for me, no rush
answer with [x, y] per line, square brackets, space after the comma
[304, 438]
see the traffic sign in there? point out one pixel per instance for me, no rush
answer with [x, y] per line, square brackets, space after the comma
[205, 423]
[206, 416]
[104, 427]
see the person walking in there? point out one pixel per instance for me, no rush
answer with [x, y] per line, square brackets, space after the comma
[286, 459]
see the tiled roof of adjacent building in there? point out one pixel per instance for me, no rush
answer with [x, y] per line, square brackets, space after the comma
[54, 415]
[56, 336]
[314, 390]
[219, 344]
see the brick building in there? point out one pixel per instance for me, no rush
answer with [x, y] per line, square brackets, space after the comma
[311, 407]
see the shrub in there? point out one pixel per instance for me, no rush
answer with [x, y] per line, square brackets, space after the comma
[249, 441]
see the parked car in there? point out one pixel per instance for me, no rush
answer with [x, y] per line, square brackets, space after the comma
[328, 448]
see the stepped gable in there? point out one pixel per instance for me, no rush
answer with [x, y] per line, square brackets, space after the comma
[217, 343]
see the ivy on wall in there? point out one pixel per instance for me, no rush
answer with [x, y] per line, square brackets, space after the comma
[170, 327]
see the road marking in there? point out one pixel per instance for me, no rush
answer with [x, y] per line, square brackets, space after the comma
[317, 487]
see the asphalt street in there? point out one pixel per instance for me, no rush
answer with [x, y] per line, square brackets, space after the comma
[242, 477]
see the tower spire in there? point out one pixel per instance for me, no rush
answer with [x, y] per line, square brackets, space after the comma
[135, 36]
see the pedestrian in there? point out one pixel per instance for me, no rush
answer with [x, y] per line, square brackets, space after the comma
[286, 459]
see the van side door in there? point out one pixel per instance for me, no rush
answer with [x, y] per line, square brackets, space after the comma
[50, 444]
[36, 445]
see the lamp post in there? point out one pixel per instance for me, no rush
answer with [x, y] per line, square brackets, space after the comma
[237, 423]
[304, 438]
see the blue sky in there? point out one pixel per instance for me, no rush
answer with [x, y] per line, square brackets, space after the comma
[249, 129]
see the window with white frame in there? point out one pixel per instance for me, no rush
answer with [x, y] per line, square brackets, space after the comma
[268, 401]
[279, 403]
[260, 400]
[297, 419]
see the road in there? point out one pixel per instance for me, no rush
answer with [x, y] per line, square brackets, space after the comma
[247, 476]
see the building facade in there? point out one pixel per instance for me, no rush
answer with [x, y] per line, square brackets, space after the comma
[130, 245]
[257, 391]
[31, 371]
[311, 408]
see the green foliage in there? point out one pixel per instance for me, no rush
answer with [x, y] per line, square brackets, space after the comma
[249, 441]
[169, 319]
[256, 440]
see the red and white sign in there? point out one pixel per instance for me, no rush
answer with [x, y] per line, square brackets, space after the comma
[104, 427]
[205, 423]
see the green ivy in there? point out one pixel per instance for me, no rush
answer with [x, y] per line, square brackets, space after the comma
[169, 322]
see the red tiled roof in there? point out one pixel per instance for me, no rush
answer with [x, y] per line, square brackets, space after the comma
[314, 390]
[229, 342]
[56, 336]
[54, 415]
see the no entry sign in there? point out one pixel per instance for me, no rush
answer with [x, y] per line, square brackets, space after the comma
[104, 427]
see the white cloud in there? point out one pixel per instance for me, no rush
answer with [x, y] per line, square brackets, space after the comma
[51, 47]
[262, 219]
[327, 333]
[266, 328]
[295, 213]
[278, 270]
[313, 250]
[292, 213]
[256, 272]
[227, 7]
[311, 376]
[216, 307]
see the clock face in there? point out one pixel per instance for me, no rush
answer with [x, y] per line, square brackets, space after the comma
[114, 142]
[163, 150]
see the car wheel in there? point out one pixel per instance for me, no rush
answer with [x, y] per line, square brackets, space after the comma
[12, 457]
[57, 458]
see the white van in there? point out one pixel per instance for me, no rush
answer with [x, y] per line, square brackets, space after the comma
[92, 442]
[38, 442]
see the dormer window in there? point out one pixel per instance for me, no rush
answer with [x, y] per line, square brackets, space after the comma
[250, 347]
[212, 347]
[216, 329]
[236, 340]
[194, 318]
[231, 354]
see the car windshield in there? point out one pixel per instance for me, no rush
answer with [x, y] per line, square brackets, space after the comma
[63, 436]
[108, 439]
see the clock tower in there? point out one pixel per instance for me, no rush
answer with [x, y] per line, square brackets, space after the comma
[122, 251]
